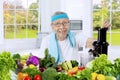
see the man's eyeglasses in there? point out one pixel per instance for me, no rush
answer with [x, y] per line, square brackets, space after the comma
[59, 24]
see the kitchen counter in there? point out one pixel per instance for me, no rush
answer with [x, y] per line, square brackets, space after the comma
[113, 53]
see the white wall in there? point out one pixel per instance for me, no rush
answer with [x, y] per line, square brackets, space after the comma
[80, 10]
[47, 9]
[76, 9]
[13, 45]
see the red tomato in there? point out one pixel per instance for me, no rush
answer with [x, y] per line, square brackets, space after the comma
[27, 78]
[37, 77]
[81, 68]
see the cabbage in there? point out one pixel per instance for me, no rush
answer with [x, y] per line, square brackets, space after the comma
[33, 60]
[110, 78]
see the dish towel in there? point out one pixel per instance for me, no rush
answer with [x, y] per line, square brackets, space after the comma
[54, 49]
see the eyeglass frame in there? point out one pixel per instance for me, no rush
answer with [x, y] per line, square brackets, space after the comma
[59, 24]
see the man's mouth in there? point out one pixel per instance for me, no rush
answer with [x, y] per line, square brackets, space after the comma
[62, 31]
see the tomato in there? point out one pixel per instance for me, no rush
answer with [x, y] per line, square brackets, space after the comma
[37, 77]
[81, 68]
[27, 78]
[21, 75]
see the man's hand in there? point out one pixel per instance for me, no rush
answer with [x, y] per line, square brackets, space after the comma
[106, 24]
[89, 43]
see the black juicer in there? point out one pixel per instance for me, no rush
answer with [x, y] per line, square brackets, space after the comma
[100, 46]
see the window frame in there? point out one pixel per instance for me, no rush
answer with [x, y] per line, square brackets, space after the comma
[15, 44]
[1, 20]
[110, 20]
[27, 23]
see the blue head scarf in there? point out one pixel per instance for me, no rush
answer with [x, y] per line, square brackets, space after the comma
[59, 16]
[54, 49]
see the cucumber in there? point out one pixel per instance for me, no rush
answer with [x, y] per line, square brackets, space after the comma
[64, 66]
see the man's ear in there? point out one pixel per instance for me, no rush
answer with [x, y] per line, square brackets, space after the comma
[53, 28]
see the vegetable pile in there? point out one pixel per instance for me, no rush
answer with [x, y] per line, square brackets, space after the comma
[30, 67]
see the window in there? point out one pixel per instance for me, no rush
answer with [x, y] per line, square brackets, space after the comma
[76, 25]
[107, 10]
[20, 18]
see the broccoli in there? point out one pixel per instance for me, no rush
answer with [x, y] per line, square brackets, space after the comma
[49, 74]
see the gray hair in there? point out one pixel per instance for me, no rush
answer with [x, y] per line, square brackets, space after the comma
[58, 12]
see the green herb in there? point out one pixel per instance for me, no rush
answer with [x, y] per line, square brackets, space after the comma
[84, 74]
[102, 65]
[116, 67]
[31, 71]
[47, 61]
[16, 56]
[63, 76]
[7, 63]
[74, 63]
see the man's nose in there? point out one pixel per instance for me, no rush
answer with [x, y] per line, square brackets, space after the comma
[62, 25]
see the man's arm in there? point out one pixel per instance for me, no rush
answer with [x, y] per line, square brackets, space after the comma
[90, 41]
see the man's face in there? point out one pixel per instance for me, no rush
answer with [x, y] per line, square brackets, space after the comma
[61, 27]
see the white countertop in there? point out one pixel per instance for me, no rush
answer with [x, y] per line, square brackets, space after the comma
[113, 53]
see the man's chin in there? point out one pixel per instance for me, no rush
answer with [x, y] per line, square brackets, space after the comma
[63, 35]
